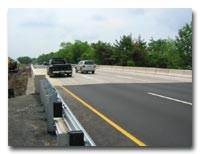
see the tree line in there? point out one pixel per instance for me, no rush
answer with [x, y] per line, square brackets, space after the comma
[128, 51]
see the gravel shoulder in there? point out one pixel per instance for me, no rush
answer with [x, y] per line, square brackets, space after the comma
[27, 126]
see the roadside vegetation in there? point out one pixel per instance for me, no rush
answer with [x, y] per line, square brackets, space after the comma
[128, 51]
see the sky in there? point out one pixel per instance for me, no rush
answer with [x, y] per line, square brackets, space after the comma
[32, 32]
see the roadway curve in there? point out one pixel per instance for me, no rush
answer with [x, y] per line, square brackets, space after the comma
[155, 109]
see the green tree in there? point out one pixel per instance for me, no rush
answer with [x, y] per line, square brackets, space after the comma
[33, 60]
[65, 52]
[172, 55]
[86, 52]
[163, 53]
[40, 59]
[131, 52]
[184, 45]
[157, 50]
[24, 60]
[44, 58]
[123, 47]
[74, 52]
[139, 52]
[102, 53]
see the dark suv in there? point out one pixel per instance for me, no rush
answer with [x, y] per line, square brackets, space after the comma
[58, 66]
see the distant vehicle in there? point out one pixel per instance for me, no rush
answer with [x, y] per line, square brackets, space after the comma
[85, 66]
[12, 65]
[44, 63]
[58, 66]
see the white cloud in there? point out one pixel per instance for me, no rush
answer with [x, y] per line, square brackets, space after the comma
[32, 32]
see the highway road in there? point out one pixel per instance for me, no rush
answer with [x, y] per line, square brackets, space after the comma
[146, 109]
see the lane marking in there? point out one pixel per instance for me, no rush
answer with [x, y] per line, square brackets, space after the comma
[173, 99]
[88, 77]
[120, 129]
[126, 77]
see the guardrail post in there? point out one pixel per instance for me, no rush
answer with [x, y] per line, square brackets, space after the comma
[11, 92]
[50, 99]
[57, 109]
[76, 138]
[50, 95]
[42, 92]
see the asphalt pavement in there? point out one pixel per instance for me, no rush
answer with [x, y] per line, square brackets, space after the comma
[154, 120]
[155, 109]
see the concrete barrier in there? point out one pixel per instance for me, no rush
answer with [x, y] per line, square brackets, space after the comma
[162, 71]
[37, 75]
[151, 70]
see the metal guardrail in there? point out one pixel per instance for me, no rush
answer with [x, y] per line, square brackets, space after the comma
[75, 124]
[68, 129]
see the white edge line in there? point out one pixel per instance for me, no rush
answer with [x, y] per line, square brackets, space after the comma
[177, 100]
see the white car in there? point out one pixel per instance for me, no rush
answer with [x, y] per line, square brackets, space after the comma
[85, 66]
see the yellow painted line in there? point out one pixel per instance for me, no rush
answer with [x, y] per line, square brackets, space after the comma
[120, 129]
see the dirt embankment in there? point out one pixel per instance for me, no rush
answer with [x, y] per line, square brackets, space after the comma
[18, 81]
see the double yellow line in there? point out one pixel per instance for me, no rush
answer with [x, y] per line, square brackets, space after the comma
[120, 129]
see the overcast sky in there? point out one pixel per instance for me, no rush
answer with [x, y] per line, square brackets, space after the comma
[32, 32]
